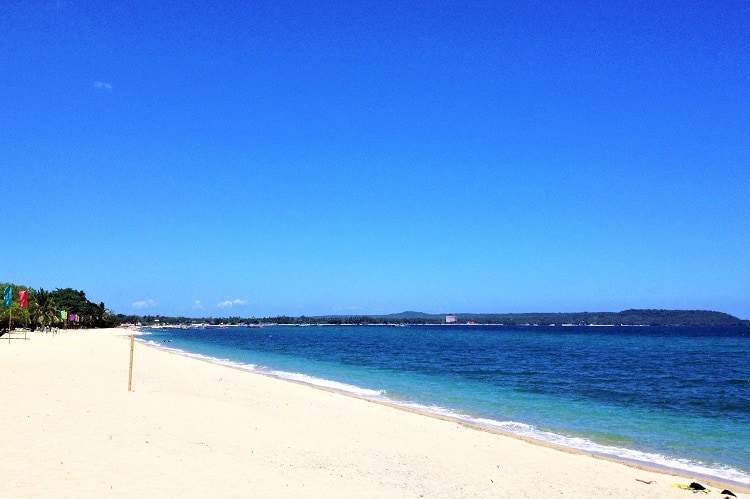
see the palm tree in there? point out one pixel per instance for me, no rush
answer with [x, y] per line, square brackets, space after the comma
[45, 312]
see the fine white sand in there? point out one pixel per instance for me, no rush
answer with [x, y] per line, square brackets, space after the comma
[189, 428]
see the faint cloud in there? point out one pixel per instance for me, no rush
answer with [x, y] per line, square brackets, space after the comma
[231, 303]
[103, 86]
[143, 304]
[197, 305]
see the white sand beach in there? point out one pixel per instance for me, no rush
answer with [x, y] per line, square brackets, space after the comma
[189, 428]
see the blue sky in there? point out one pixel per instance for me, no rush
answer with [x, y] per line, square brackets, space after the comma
[304, 158]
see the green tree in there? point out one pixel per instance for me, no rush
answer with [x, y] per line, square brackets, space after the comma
[75, 302]
[45, 312]
[15, 316]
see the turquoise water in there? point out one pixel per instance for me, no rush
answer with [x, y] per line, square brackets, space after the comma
[667, 396]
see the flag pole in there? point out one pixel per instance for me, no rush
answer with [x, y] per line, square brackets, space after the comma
[8, 302]
[25, 302]
[130, 371]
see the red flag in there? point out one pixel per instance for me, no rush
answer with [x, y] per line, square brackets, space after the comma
[23, 299]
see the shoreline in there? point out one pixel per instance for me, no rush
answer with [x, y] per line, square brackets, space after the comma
[196, 428]
[705, 479]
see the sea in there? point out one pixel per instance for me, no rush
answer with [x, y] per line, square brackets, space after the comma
[675, 398]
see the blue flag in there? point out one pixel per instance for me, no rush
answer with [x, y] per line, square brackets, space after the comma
[7, 296]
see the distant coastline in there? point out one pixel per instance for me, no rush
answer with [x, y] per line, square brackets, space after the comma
[631, 317]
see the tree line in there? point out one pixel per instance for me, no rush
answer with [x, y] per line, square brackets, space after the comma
[45, 309]
[636, 317]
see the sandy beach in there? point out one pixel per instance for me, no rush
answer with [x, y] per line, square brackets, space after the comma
[191, 428]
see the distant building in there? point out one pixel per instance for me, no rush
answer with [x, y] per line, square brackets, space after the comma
[450, 319]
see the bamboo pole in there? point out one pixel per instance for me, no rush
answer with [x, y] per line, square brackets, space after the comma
[130, 371]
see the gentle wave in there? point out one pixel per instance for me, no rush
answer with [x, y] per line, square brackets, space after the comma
[631, 455]
[291, 376]
[193, 355]
[516, 428]
[324, 383]
[582, 444]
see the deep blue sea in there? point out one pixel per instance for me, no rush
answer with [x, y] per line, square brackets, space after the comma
[673, 397]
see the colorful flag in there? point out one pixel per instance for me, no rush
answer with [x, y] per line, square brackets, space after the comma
[7, 296]
[23, 298]
[63, 314]
[71, 317]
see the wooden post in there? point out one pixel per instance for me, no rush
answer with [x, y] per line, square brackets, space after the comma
[130, 371]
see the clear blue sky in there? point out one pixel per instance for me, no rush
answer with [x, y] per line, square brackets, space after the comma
[220, 158]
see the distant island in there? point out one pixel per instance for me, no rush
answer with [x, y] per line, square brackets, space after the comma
[632, 317]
